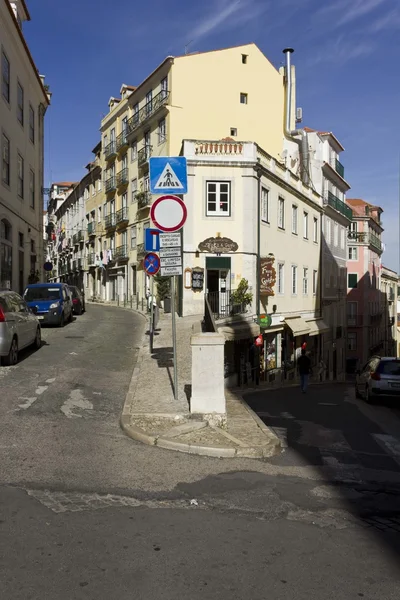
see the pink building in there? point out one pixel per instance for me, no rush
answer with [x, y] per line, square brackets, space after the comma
[365, 301]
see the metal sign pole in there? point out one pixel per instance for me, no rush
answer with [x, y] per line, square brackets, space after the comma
[174, 337]
[151, 315]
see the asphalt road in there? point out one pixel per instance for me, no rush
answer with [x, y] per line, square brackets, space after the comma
[85, 512]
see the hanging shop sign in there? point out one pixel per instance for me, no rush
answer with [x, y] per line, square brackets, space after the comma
[218, 245]
[197, 279]
[267, 276]
[265, 321]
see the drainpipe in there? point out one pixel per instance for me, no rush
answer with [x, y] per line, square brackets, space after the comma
[258, 261]
[303, 143]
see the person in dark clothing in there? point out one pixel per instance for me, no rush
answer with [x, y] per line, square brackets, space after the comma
[254, 356]
[304, 367]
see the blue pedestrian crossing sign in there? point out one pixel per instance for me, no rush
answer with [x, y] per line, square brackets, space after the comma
[152, 239]
[168, 175]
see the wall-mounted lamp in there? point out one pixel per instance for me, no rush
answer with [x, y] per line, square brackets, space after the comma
[197, 254]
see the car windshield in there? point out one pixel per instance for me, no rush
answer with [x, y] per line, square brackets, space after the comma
[42, 293]
[390, 367]
[74, 292]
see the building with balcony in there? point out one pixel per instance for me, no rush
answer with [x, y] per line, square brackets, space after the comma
[24, 99]
[389, 288]
[240, 206]
[365, 300]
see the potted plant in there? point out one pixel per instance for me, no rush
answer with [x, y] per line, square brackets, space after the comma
[241, 298]
[164, 291]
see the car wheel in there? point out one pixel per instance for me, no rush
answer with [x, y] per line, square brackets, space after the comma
[62, 322]
[368, 399]
[38, 339]
[12, 357]
[358, 395]
[71, 317]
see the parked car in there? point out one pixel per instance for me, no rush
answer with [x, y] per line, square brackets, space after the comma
[380, 377]
[51, 301]
[19, 327]
[78, 300]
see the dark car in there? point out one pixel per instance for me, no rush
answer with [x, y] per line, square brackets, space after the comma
[78, 300]
[51, 302]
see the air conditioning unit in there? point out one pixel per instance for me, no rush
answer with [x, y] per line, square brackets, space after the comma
[299, 115]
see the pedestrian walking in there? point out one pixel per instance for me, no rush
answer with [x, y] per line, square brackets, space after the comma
[304, 367]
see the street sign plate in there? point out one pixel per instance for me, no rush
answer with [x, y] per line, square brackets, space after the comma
[173, 261]
[170, 240]
[168, 175]
[152, 240]
[151, 263]
[168, 213]
[171, 271]
[168, 252]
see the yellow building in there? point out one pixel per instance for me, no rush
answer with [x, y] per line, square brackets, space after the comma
[234, 92]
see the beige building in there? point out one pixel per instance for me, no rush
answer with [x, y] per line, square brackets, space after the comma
[389, 288]
[23, 103]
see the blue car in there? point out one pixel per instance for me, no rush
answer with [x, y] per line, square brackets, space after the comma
[51, 302]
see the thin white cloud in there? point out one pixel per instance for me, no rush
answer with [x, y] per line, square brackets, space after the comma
[389, 21]
[226, 14]
[349, 10]
[340, 52]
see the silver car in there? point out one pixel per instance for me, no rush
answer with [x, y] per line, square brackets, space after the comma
[19, 327]
[380, 377]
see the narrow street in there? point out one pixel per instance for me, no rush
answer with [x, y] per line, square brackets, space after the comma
[86, 512]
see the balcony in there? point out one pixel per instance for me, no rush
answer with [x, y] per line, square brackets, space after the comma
[122, 178]
[122, 215]
[121, 252]
[140, 251]
[375, 242]
[355, 236]
[75, 240]
[144, 155]
[91, 259]
[91, 228]
[147, 111]
[74, 265]
[111, 184]
[355, 320]
[122, 141]
[81, 263]
[110, 221]
[338, 205]
[110, 151]
[339, 168]
[143, 199]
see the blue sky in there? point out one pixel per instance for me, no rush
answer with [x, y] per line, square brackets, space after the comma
[347, 54]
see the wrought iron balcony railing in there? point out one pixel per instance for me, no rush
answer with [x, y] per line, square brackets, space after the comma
[122, 215]
[91, 228]
[74, 265]
[91, 259]
[110, 150]
[339, 168]
[149, 109]
[144, 155]
[143, 199]
[121, 252]
[375, 242]
[122, 177]
[122, 141]
[140, 251]
[338, 205]
[111, 184]
[355, 236]
[110, 220]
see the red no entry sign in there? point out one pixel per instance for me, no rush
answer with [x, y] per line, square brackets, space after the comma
[168, 213]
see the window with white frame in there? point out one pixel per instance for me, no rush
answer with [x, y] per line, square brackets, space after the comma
[336, 235]
[314, 281]
[99, 185]
[352, 340]
[294, 218]
[328, 228]
[93, 189]
[20, 103]
[353, 253]
[105, 210]
[5, 167]
[353, 227]
[294, 279]
[5, 77]
[133, 189]
[31, 188]
[133, 150]
[342, 238]
[281, 213]
[20, 172]
[218, 198]
[315, 230]
[264, 205]
[305, 225]
[162, 131]
[164, 87]
[305, 281]
[98, 214]
[281, 278]
[243, 98]
[133, 237]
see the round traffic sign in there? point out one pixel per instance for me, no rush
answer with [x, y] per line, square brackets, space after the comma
[151, 263]
[48, 266]
[168, 213]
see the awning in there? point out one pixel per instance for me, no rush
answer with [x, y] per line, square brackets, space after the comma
[240, 331]
[298, 326]
[317, 326]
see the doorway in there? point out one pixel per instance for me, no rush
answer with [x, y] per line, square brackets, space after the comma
[218, 285]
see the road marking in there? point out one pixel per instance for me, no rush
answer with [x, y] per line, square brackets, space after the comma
[50, 380]
[28, 403]
[76, 401]
[97, 393]
[40, 389]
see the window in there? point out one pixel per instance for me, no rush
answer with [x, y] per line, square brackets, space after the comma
[164, 87]
[243, 98]
[314, 281]
[351, 340]
[149, 102]
[133, 151]
[133, 237]
[305, 281]
[281, 213]
[244, 59]
[218, 198]
[294, 279]
[162, 131]
[31, 124]
[86, 193]
[133, 189]
[342, 238]
[146, 184]
[99, 185]
[93, 190]
[31, 188]
[352, 279]
[294, 219]
[315, 230]
[233, 131]
[124, 200]
[21, 239]
[354, 226]
[20, 183]
[20, 103]
[5, 77]
[124, 125]
[281, 273]
[112, 136]
[305, 225]
[336, 234]
[328, 225]
[264, 205]
[105, 209]
[5, 171]
[353, 253]
[98, 214]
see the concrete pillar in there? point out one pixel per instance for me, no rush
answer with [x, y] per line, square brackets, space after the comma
[208, 395]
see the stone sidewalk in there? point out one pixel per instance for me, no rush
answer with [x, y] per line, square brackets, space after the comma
[152, 415]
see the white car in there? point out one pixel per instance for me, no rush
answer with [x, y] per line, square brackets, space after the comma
[380, 377]
[19, 327]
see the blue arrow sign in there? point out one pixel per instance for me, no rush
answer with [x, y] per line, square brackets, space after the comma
[152, 240]
[151, 263]
[168, 175]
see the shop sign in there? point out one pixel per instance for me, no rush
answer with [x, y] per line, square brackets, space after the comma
[267, 276]
[265, 321]
[218, 245]
[197, 279]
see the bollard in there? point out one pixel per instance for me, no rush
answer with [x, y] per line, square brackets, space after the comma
[117, 299]
[131, 302]
[124, 300]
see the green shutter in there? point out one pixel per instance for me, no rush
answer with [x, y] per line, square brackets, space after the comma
[352, 280]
